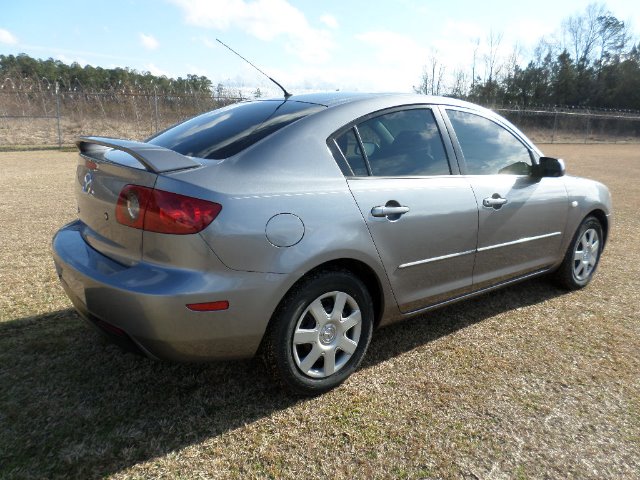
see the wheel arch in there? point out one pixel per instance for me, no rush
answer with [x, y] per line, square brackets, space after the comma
[358, 268]
[365, 274]
[604, 222]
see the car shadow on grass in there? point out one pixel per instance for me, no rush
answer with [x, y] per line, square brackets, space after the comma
[421, 329]
[73, 405]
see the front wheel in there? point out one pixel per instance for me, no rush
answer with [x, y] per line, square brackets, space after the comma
[582, 257]
[319, 333]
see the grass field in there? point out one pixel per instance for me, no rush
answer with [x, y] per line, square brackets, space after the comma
[528, 382]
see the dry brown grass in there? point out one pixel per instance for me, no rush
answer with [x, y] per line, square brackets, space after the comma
[41, 132]
[528, 382]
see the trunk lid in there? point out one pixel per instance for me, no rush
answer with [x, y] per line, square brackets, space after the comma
[105, 166]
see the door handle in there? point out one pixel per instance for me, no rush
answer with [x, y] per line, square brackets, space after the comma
[494, 201]
[384, 211]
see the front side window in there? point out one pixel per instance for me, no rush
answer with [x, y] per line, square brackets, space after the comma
[489, 148]
[401, 143]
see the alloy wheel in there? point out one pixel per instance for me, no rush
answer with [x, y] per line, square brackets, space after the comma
[585, 255]
[327, 334]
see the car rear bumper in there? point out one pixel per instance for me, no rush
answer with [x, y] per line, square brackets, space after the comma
[145, 305]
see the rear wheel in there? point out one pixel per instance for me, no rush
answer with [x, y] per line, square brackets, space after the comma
[319, 333]
[582, 257]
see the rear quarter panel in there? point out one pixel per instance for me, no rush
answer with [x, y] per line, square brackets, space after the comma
[291, 172]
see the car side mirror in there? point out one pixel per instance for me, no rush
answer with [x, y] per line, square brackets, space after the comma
[548, 167]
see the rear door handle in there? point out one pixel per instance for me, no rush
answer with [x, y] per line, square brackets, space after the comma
[494, 201]
[384, 211]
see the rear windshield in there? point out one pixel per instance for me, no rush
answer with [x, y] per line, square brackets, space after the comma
[227, 131]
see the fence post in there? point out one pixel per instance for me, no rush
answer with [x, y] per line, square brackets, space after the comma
[586, 135]
[155, 104]
[555, 124]
[58, 114]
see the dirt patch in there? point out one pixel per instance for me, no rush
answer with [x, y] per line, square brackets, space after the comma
[527, 382]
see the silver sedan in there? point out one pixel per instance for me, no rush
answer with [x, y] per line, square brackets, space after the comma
[292, 228]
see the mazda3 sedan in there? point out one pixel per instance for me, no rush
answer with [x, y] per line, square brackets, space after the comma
[293, 228]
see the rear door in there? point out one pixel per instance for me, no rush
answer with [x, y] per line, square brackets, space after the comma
[422, 218]
[521, 217]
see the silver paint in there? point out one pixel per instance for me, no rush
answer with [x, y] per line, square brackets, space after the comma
[520, 240]
[284, 230]
[442, 246]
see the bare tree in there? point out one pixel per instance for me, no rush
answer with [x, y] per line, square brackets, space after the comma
[437, 73]
[583, 31]
[491, 58]
[431, 82]
[460, 86]
[613, 36]
[513, 60]
[473, 65]
[545, 48]
[423, 86]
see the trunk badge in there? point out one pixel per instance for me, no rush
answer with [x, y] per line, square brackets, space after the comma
[87, 184]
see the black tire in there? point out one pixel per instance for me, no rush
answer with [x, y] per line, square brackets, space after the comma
[575, 273]
[288, 355]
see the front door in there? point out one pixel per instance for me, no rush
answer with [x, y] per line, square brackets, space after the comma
[423, 220]
[522, 235]
[521, 217]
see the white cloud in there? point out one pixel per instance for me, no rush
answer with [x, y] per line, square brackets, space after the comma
[464, 29]
[358, 76]
[149, 41]
[70, 59]
[394, 62]
[157, 71]
[208, 42]
[393, 48]
[329, 20]
[528, 32]
[197, 70]
[266, 20]
[7, 37]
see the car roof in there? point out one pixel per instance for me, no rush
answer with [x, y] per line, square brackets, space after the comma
[331, 99]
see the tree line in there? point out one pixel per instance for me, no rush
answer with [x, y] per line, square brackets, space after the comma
[89, 78]
[590, 62]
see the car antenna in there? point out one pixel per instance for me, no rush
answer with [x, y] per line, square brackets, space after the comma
[286, 94]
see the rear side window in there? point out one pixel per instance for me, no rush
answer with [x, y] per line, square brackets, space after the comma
[350, 148]
[227, 131]
[489, 148]
[400, 143]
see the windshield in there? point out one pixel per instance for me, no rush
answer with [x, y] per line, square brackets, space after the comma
[227, 131]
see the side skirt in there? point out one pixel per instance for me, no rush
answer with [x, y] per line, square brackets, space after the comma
[481, 291]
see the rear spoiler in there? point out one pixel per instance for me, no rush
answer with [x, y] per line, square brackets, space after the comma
[154, 158]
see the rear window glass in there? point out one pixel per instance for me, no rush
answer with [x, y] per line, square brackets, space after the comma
[227, 131]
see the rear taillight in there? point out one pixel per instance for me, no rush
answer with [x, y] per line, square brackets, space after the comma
[132, 204]
[164, 212]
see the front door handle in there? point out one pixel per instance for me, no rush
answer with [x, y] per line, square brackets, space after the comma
[494, 201]
[384, 211]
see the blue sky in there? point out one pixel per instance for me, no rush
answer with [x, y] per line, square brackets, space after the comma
[305, 44]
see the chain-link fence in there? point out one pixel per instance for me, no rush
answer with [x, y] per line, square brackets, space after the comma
[556, 125]
[45, 114]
